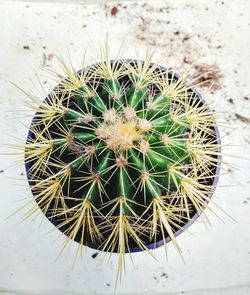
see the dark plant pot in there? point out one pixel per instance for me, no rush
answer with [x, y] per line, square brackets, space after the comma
[159, 242]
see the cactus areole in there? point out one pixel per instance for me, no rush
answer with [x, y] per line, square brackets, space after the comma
[123, 156]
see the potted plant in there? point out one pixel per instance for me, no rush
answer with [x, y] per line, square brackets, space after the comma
[123, 155]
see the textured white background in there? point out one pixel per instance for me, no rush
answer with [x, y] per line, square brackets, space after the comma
[211, 34]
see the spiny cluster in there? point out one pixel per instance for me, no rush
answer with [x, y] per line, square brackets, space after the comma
[121, 155]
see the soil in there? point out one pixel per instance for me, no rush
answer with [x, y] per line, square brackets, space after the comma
[206, 75]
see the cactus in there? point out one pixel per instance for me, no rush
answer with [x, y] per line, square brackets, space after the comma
[121, 155]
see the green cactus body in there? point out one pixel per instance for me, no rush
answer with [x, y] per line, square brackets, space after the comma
[112, 159]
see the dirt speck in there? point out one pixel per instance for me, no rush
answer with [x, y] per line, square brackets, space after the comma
[114, 11]
[47, 58]
[186, 38]
[164, 275]
[94, 255]
[186, 60]
[1, 171]
[26, 47]
[231, 100]
[207, 76]
[50, 56]
[242, 118]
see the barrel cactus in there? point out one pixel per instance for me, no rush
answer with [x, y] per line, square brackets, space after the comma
[122, 155]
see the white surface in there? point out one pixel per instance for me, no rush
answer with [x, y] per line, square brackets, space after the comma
[218, 34]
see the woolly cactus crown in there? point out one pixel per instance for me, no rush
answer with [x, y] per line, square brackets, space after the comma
[121, 155]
